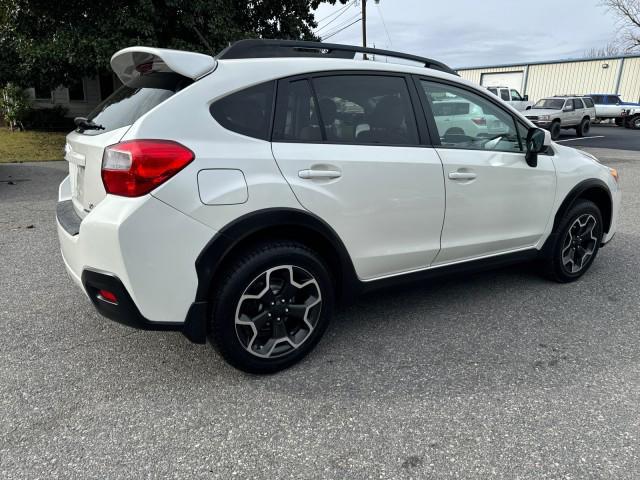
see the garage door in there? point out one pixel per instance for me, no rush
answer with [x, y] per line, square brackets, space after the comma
[503, 79]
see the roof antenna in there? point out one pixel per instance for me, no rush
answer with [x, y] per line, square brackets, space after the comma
[203, 40]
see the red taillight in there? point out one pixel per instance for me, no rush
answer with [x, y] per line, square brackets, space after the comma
[479, 121]
[108, 296]
[136, 167]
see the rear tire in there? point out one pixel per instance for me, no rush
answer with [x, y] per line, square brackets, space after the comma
[634, 122]
[583, 128]
[576, 242]
[555, 130]
[271, 307]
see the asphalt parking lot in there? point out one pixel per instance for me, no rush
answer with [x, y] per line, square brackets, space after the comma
[604, 136]
[500, 374]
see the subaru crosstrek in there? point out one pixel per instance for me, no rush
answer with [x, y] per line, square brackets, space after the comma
[241, 197]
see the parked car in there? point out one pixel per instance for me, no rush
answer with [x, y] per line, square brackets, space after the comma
[609, 106]
[458, 116]
[512, 97]
[632, 117]
[239, 198]
[557, 113]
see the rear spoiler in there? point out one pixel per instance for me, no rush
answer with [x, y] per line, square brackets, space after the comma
[129, 63]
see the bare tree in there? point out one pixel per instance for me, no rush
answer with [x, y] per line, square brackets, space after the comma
[628, 13]
[608, 51]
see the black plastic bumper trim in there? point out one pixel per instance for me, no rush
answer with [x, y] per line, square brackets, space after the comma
[127, 313]
[68, 217]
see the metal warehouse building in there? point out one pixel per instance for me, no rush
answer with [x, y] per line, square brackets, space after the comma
[619, 75]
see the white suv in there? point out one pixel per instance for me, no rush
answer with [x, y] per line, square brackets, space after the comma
[239, 198]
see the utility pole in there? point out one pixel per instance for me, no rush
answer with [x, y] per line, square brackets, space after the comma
[364, 26]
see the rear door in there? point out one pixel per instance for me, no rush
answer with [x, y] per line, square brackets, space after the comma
[149, 77]
[354, 152]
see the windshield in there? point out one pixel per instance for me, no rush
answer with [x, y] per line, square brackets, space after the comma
[133, 100]
[552, 103]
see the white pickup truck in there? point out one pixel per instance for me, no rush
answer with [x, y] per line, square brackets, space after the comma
[512, 97]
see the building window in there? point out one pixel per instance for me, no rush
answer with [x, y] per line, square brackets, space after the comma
[76, 91]
[107, 86]
[42, 93]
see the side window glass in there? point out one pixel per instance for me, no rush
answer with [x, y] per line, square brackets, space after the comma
[504, 94]
[494, 91]
[469, 121]
[297, 114]
[577, 104]
[515, 96]
[372, 109]
[588, 102]
[568, 105]
[247, 112]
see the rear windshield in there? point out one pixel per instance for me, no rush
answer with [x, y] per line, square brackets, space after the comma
[446, 109]
[131, 101]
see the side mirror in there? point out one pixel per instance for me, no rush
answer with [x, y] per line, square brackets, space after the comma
[525, 98]
[537, 140]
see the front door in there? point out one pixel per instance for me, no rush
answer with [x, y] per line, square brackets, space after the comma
[350, 149]
[495, 202]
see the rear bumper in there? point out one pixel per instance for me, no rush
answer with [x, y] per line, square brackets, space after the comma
[142, 250]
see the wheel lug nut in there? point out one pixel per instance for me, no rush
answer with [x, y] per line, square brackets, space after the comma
[286, 310]
[269, 315]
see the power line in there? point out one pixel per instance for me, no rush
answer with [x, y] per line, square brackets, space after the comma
[337, 11]
[384, 24]
[331, 21]
[335, 33]
[336, 28]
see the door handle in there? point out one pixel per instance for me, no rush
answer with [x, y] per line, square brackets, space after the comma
[326, 174]
[462, 176]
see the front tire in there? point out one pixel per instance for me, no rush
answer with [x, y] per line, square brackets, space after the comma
[583, 128]
[272, 306]
[575, 244]
[634, 122]
[555, 130]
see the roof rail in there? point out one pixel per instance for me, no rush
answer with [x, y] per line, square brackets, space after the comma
[298, 48]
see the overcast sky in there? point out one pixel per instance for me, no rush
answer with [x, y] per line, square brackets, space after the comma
[465, 33]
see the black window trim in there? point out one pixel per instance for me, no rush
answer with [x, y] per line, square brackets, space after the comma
[435, 136]
[422, 128]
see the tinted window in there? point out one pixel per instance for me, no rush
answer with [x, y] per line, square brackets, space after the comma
[515, 95]
[366, 109]
[494, 91]
[484, 126]
[296, 114]
[247, 112]
[504, 94]
[131, 101]
[598, 99]
[568, 105]
[577, 104]
[613, 99]
[588, 102]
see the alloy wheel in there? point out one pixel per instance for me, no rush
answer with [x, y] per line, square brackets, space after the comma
[580, 243]
[278, 311]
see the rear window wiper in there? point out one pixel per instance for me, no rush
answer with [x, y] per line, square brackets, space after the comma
[84, 124]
